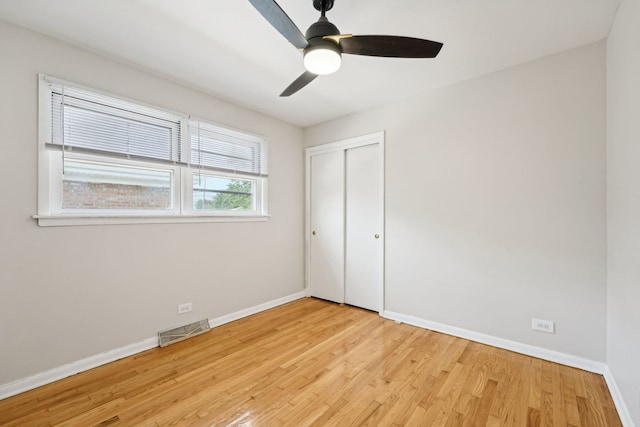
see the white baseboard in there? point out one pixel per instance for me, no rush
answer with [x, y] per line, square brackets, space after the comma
[529, 350]
[255, 309]
[55, 374]
[616, 395]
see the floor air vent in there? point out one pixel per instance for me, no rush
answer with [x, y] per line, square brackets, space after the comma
[181, 333]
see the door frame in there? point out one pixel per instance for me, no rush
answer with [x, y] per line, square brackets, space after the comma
[343, 145]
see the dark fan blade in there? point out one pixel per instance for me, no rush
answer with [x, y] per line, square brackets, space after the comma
[390, 46]
[304, 79]
[270, 10]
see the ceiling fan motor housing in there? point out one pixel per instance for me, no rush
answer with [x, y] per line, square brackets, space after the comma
[316, 33]
[321, 28]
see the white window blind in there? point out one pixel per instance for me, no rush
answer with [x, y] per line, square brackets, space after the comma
[217, 148]
[86, 121]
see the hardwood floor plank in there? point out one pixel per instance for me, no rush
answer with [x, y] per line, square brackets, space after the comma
[484, 406]
[533, 418]
[559, 404]
[569, 396]
[508, 375]
[535, 384]
[315, 363]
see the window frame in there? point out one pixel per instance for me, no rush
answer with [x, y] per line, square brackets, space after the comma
[50, 160]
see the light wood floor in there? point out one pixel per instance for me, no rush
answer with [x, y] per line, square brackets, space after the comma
[311, 362]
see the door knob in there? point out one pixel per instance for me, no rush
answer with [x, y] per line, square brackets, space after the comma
[377, 236]
[313, 232]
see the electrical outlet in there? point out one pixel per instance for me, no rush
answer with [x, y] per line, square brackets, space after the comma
[543, 325]
[185, 308]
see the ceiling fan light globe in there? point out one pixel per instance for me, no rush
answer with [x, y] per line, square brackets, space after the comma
[321, 60]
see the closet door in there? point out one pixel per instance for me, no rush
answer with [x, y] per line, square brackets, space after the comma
[326, 261]
[363, 245]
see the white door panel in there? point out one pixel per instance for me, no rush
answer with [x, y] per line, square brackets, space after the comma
[363, 245]
[326, 269]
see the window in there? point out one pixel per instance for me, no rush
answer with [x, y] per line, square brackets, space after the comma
[107, 160]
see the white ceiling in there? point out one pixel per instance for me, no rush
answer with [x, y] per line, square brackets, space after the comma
[225, 48]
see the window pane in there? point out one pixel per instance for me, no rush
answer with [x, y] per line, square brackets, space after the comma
[90, 185]
[223, 155]
[225, 149]
[222, 194]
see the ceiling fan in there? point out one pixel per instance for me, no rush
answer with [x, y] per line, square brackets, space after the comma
[323, 45]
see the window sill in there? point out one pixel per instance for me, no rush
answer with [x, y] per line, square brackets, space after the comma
[71, 220]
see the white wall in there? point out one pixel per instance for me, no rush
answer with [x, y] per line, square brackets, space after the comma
[495, 201]
[71, 292]
[623, 194]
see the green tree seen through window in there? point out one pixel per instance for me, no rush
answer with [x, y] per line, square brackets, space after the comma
[237, 196]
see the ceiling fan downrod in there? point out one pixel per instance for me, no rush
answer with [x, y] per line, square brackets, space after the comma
[323, 5]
